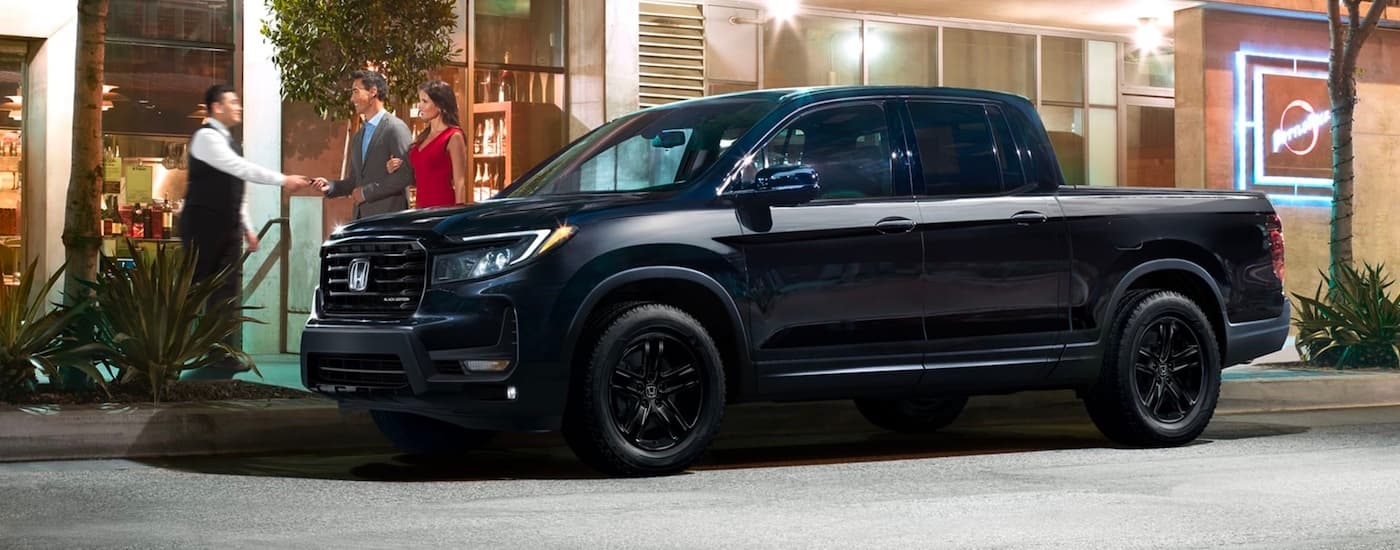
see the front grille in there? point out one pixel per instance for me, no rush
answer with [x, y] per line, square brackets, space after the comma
[394, 279]
[366, 371]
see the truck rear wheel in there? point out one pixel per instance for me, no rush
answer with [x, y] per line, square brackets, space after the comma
[419, 435]
[912, 415]
[652, 396]
[1161, 374]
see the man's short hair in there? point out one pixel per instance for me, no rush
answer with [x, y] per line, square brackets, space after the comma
[371, 79]
[214, 95]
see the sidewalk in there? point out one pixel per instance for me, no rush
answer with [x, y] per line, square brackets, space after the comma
[315, 423]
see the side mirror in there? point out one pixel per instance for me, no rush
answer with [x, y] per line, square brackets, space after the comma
[668, 139]
[781, 186]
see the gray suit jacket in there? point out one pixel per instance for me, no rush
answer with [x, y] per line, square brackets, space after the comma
[384, 192]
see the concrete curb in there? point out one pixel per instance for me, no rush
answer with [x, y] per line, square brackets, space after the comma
[315, 424]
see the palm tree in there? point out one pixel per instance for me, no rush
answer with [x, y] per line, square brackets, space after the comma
[1347, 36]
[81, 224]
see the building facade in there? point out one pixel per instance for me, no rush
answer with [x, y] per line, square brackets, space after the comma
[1227, 95]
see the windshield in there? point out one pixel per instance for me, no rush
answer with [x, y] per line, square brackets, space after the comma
[649, 150]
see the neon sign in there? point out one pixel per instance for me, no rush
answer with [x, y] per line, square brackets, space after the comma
[1282, 136]
[1311, 125]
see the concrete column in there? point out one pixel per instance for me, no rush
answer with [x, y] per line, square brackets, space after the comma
[1191, 138]
[262, 144]
[48, 145]
[622, 25]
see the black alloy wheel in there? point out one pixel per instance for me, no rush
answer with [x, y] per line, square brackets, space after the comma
[1168, 373]
[651, 397]
[1160, 379]
[656, 391]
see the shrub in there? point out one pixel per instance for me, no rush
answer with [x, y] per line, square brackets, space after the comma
[155, 322]
[1351, 320]
[36, 339]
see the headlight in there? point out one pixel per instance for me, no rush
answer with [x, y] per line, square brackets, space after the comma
[496, 253]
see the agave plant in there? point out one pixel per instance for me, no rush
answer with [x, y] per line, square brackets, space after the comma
[1351, 320]
[156, 321]
[35, 338]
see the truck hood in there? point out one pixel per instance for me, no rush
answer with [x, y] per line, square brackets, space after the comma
[495, 216]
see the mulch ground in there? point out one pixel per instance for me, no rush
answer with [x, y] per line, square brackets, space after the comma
[178, 392]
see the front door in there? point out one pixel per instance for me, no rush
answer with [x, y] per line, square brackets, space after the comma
[834, 304]
[996, 251]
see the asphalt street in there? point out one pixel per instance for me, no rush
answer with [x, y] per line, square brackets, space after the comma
[1323, 479]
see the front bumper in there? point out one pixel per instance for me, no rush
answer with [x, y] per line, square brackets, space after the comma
[417, 365]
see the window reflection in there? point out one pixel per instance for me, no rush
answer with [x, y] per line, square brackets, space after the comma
[902, 54]
[184, 20]
[520, 32]
[812, 51]
[159, 89]
[990, 60]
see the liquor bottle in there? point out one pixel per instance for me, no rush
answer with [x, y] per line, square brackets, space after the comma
[477, 138]
[505, 87]
[138, 221]
[490, 137]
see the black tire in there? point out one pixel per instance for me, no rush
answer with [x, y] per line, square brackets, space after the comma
[912, 415]
[1161, 373]
[651, 398]
[428, 437]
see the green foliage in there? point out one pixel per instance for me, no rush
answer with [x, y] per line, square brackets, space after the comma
[1351, 320]
[32, 336]
[320, 42]
[153, 321]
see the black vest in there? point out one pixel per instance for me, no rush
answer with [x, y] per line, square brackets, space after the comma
[213, 192]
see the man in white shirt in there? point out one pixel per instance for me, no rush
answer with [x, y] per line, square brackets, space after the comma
[214, 220]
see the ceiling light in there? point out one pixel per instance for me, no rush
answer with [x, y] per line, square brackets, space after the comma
[1148, 38]
[782, 10]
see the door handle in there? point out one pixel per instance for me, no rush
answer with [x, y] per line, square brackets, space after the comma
[1027, 217]
[895, 224]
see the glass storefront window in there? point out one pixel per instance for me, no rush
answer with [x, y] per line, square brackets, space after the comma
[1066, 128]
[12, 55]
[989, 60]
[1062, 75]
[1153, 70]
[811, 51]
[901, 54]
[1103, 146]
[183, 20]
[157, 89]
[1103, 72]
[520, 32]
[1150, 132]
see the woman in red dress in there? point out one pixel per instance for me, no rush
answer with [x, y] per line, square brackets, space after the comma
[439, 154]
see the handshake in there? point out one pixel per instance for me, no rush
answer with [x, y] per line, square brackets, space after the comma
[301, 182]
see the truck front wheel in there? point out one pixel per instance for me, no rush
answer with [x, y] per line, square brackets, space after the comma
[652, 396]
[1161, 372]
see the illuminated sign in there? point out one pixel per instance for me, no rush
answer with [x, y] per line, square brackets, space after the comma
[1283, 128]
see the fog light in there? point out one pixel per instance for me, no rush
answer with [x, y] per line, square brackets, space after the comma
[510, 393]
[486, 365]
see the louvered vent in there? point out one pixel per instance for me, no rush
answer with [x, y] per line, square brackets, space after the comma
[672, 53]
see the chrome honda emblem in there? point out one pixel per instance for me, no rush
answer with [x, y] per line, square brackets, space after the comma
[359, 274]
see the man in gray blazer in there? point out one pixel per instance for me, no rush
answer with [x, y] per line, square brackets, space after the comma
[370, 185]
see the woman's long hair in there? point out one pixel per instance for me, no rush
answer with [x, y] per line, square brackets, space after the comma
[440, 93]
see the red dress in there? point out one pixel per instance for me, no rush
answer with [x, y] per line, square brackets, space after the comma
[432, 171]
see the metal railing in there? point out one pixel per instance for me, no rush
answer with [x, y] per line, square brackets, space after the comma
[280, 257]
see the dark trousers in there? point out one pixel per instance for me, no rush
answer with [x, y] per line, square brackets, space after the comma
[219, 243]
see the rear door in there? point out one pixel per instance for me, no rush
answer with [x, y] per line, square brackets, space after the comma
[996, 250]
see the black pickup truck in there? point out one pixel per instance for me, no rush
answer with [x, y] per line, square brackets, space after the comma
[902, 247]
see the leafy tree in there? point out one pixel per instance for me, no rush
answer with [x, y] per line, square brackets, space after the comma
[1347, 35]
[320, 42]
[81, 224]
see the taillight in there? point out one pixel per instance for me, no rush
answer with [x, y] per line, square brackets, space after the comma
[1275, 228]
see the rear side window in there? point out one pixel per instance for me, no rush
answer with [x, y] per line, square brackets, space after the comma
[957, 151]
[1012, 174]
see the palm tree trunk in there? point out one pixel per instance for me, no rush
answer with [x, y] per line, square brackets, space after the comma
[81, 224]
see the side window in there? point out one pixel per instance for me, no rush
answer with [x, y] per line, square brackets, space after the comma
[1011, 171]
[956, 149]
[849, 147]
